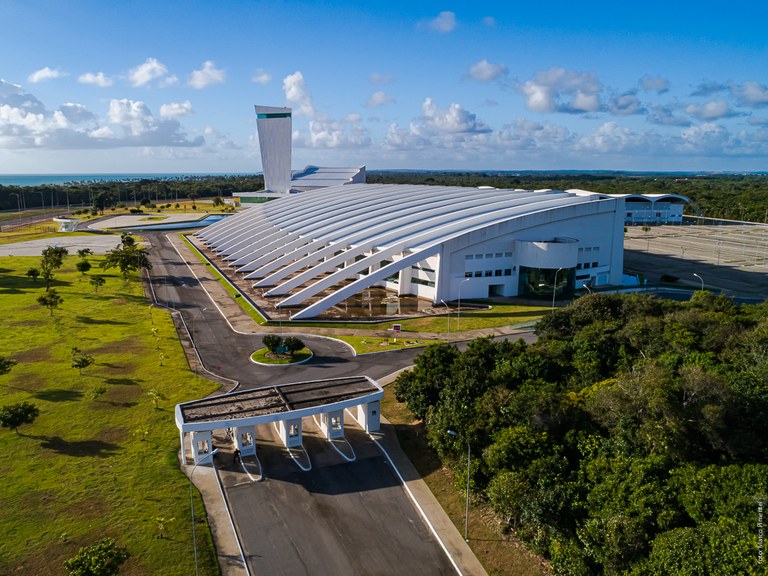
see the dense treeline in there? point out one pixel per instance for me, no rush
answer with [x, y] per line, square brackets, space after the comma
[631, 438]
[738, 197]
[125, 191]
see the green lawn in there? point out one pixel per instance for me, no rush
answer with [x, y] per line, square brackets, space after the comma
[262, 356]
[94, 465]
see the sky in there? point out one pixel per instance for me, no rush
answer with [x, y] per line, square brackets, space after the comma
[169, 86]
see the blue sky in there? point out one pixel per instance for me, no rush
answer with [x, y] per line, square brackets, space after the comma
[168, 87]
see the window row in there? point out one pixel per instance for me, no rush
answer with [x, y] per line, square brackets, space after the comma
[488, 255]
[488, 273]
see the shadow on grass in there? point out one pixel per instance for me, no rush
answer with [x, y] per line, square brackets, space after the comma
[77, 447]
[119, 404]
[123, 381]
[58, 395]
[89, 320]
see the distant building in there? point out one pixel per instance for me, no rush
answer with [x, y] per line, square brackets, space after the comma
[646, 209]
[314, 250]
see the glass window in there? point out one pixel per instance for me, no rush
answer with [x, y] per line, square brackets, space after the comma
[488, 273]
[595, 264]
[499, 255]
[336, 423]
[468, 257]
[467, 274]
[489, 255]
[478, 274]
[497, 273]
[293, 430]
[478, 256]
[507, 272]
[508, 254]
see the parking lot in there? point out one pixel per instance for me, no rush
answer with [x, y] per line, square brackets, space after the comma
[728, 258]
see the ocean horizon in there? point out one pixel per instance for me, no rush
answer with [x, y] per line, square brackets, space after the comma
[44, 179]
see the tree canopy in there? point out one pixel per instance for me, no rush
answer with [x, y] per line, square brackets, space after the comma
[631, 438]
[127, 256]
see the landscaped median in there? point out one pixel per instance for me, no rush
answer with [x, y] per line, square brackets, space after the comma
[100, 460]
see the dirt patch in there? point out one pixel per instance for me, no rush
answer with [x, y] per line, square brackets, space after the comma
[125, 346]
[41, 354]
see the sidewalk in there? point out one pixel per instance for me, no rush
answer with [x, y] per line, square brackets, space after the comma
[205, 477]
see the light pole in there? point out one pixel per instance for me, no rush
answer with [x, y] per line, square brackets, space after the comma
[701, 279]
[466, 505]
[554, 288]
[448, 317]
[458, 312]
[192, 507]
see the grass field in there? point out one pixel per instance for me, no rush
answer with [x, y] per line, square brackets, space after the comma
[499, 554]
[100, 460]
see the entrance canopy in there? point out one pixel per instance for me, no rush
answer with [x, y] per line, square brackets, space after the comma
[276, 403]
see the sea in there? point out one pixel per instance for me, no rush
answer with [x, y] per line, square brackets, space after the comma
[43, 179]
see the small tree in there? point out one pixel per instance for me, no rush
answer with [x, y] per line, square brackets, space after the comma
[292, 344]
[53, 258]
[217, 201]
[14, 415]
[83, 253]
[33, 273]
[6, 364]
[83, 266]
[80, 359]
[50, 300]
[156, 396]
[97, 282]
[272, 342]
[127, 256]
[102, 558]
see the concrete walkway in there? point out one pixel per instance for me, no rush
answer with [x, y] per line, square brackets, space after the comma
[207, 482]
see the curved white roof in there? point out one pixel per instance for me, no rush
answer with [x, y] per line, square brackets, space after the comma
[295, 244]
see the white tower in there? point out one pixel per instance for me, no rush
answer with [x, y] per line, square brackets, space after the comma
[274, 127]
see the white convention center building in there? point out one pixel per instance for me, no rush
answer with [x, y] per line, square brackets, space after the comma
[313, 250]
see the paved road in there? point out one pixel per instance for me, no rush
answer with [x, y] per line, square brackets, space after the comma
[338, 518]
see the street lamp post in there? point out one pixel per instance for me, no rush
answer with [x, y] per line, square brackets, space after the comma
[458, 312]
[700, 279]
[466, 505]
[192, 507]
[448, 317]
[554, 287]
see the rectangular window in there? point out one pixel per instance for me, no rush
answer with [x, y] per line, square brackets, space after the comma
[586, 265]
[468, 257]
[293, 430]
[478, 274]
[478, 256]
[488, 273]
[499, 255]
[578, 266]
[508, 254]
[467, 274]
[507, 272]
[335, 423]
[497, 273]
[595, 264]
[489, 255]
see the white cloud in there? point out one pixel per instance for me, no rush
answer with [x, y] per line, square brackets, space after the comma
[453, 119]
[654, 84]
[347, 133]
[706, 138]
[378, 78]
[176, 109]
[401, 139]
[711, 110]
[626, 104]
[534, 136]
[98, 79]
[443, 23]
[561, 90]
[752, 94]
[152, 69]
[379, 98]
[297, 95]
[25, 123]
[611, 138]
[44, 74]
[709, 88]
[261, 77]
[484, 71]
[209, 75]
[665, 116]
